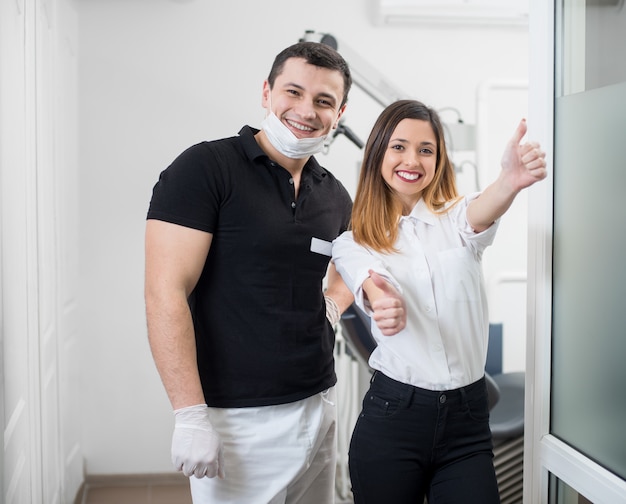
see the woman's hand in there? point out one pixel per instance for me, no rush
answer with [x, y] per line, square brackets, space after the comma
[388, 306]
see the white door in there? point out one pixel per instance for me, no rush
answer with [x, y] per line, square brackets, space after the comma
[576, 405]
[41, 459]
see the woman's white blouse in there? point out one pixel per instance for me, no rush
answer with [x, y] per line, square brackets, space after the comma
[438, 270]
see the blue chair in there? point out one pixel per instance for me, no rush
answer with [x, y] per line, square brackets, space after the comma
[507, 415]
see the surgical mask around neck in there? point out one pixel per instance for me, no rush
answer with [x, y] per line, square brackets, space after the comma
[288, 144]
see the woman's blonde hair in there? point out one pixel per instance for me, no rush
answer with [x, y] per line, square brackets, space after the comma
[377, 210]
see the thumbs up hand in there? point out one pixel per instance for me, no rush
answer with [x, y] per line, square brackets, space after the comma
[387, 304]
[524, 163]
[522, 166]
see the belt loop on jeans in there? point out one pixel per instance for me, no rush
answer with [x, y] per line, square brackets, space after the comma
[373, 376]
[410, 391]
[463, 395]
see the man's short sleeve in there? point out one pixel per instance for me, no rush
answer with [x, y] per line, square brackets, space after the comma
[189, 191]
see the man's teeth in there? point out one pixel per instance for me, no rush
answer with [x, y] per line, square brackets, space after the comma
[301, 127]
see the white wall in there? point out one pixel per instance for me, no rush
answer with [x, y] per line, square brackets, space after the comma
[158, 76]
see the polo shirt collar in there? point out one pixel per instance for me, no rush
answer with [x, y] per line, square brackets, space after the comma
[254, 151]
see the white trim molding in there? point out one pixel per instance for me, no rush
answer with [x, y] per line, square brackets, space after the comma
[591, 480]
[539, 287]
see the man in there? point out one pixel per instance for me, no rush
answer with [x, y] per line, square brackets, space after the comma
[237, 246]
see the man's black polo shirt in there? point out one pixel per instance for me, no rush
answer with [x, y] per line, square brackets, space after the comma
[259, 315]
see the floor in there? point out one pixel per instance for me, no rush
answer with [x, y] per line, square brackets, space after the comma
[166, 491]
[164, 494]
[174, 493]
[149, 489]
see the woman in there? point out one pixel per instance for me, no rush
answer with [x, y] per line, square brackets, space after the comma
[413, 261]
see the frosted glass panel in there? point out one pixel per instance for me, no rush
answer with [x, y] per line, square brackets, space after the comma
[588, 409]
[589, 285]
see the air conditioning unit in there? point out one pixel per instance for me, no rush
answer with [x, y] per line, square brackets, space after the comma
[459, 12]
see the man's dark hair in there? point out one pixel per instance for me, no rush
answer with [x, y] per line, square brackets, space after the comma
[315, 53]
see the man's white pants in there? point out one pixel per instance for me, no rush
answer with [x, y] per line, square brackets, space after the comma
[282, 454]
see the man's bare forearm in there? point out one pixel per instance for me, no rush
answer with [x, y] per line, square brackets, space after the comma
[173, 346]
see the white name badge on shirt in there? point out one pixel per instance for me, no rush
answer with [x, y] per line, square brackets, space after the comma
[321, 247]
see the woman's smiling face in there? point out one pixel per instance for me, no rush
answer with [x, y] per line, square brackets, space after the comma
[410, 161]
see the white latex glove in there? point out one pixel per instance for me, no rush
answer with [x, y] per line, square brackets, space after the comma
[196, 447]
[332, 311]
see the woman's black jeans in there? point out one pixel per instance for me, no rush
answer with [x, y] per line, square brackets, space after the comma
[409, 443]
